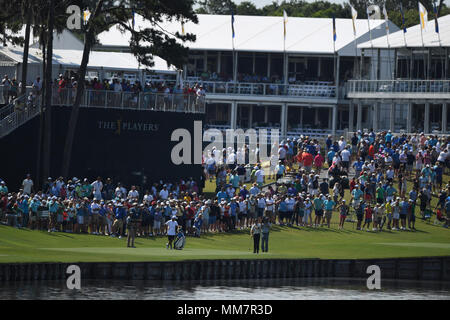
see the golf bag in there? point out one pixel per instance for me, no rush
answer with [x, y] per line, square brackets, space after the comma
[179, 241]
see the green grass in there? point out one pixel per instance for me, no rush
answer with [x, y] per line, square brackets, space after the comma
[285, 242]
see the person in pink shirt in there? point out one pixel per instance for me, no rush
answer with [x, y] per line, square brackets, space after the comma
[318, 162]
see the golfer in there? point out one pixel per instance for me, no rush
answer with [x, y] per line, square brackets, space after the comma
[256, 234]
[265, 229]
[171, 231]
[131, 226]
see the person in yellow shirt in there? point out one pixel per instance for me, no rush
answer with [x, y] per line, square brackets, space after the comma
[388, 210]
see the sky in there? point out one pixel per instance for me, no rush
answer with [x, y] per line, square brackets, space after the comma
[262, 3]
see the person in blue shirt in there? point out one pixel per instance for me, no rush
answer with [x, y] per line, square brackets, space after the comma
[329, 142]
[198, 222]
[413, 195]
[102, 218]
[282, 210]
[335, 146]
[438, 170]
[390, 191]
[234, 207]
[254, 190]
[357, 193]
[24, 208]
[388, 137]
[404, 209]
[330, 156]
[53, 208]
[120, 215]
[329, 205]
[222, 195]
[34, 205]
[243, 192]
[318, 208]
[358, 165]
[311, 149]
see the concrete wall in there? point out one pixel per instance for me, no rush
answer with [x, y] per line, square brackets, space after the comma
[429, 268]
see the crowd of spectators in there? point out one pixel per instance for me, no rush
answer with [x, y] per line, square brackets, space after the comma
[387, 178]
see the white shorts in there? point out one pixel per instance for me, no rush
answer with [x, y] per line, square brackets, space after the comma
[156, 224]
[397, 216]
[80, 219]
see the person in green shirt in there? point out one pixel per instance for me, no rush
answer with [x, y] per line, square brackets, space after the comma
[86, 189]
[329, 204]
[380, 194]
[234, 180]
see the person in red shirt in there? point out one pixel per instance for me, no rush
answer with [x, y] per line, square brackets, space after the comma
[368, 217]
[318, 162]
[61, 89]
[352, 185]
[307, 160]
[299, 159]
[371, 152]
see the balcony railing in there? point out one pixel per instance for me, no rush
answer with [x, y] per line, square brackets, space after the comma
[173, 102]
[17, 113]
[311, 89]
[399, 88]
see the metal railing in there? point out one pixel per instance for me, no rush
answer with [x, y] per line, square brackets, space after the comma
[156, 101]
[17, 113]
[399, 86]
[170, 102]
[312, 89]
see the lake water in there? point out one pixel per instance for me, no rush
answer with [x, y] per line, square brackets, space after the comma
[256, 289]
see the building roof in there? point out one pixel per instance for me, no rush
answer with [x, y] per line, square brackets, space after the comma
[97, 59]
[261, 34]
[413, 36]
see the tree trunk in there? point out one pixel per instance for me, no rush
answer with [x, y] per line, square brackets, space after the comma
[39, 181]
[48, 92]
[25, 53]
[441, 2]
[88, 42]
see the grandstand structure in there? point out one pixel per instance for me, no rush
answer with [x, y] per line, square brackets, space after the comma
[415, 98]
[263, 78]
[302, 82]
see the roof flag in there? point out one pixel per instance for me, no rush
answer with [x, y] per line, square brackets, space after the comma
[423, 16]
[354, 16]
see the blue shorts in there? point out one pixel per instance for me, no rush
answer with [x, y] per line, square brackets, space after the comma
[260, 212]
[212, 220]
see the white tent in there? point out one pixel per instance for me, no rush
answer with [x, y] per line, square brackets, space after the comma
[71, 59]
[262, 34]
[97, 59]
[413, 36]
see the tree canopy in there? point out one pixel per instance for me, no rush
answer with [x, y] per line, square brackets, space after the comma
[324, 9]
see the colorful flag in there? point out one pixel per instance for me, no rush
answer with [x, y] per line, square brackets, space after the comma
[423, 16]
[334, 29]
[354, 16]
[132, 18]
[182, 28]
[232, 24]
[285, 19]
[86, 15]
[436, 24]
[403, 19]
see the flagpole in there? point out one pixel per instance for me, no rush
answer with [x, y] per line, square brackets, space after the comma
[386, 18]
[370, 35]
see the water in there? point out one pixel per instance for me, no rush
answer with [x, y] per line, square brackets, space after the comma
[267, 289]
